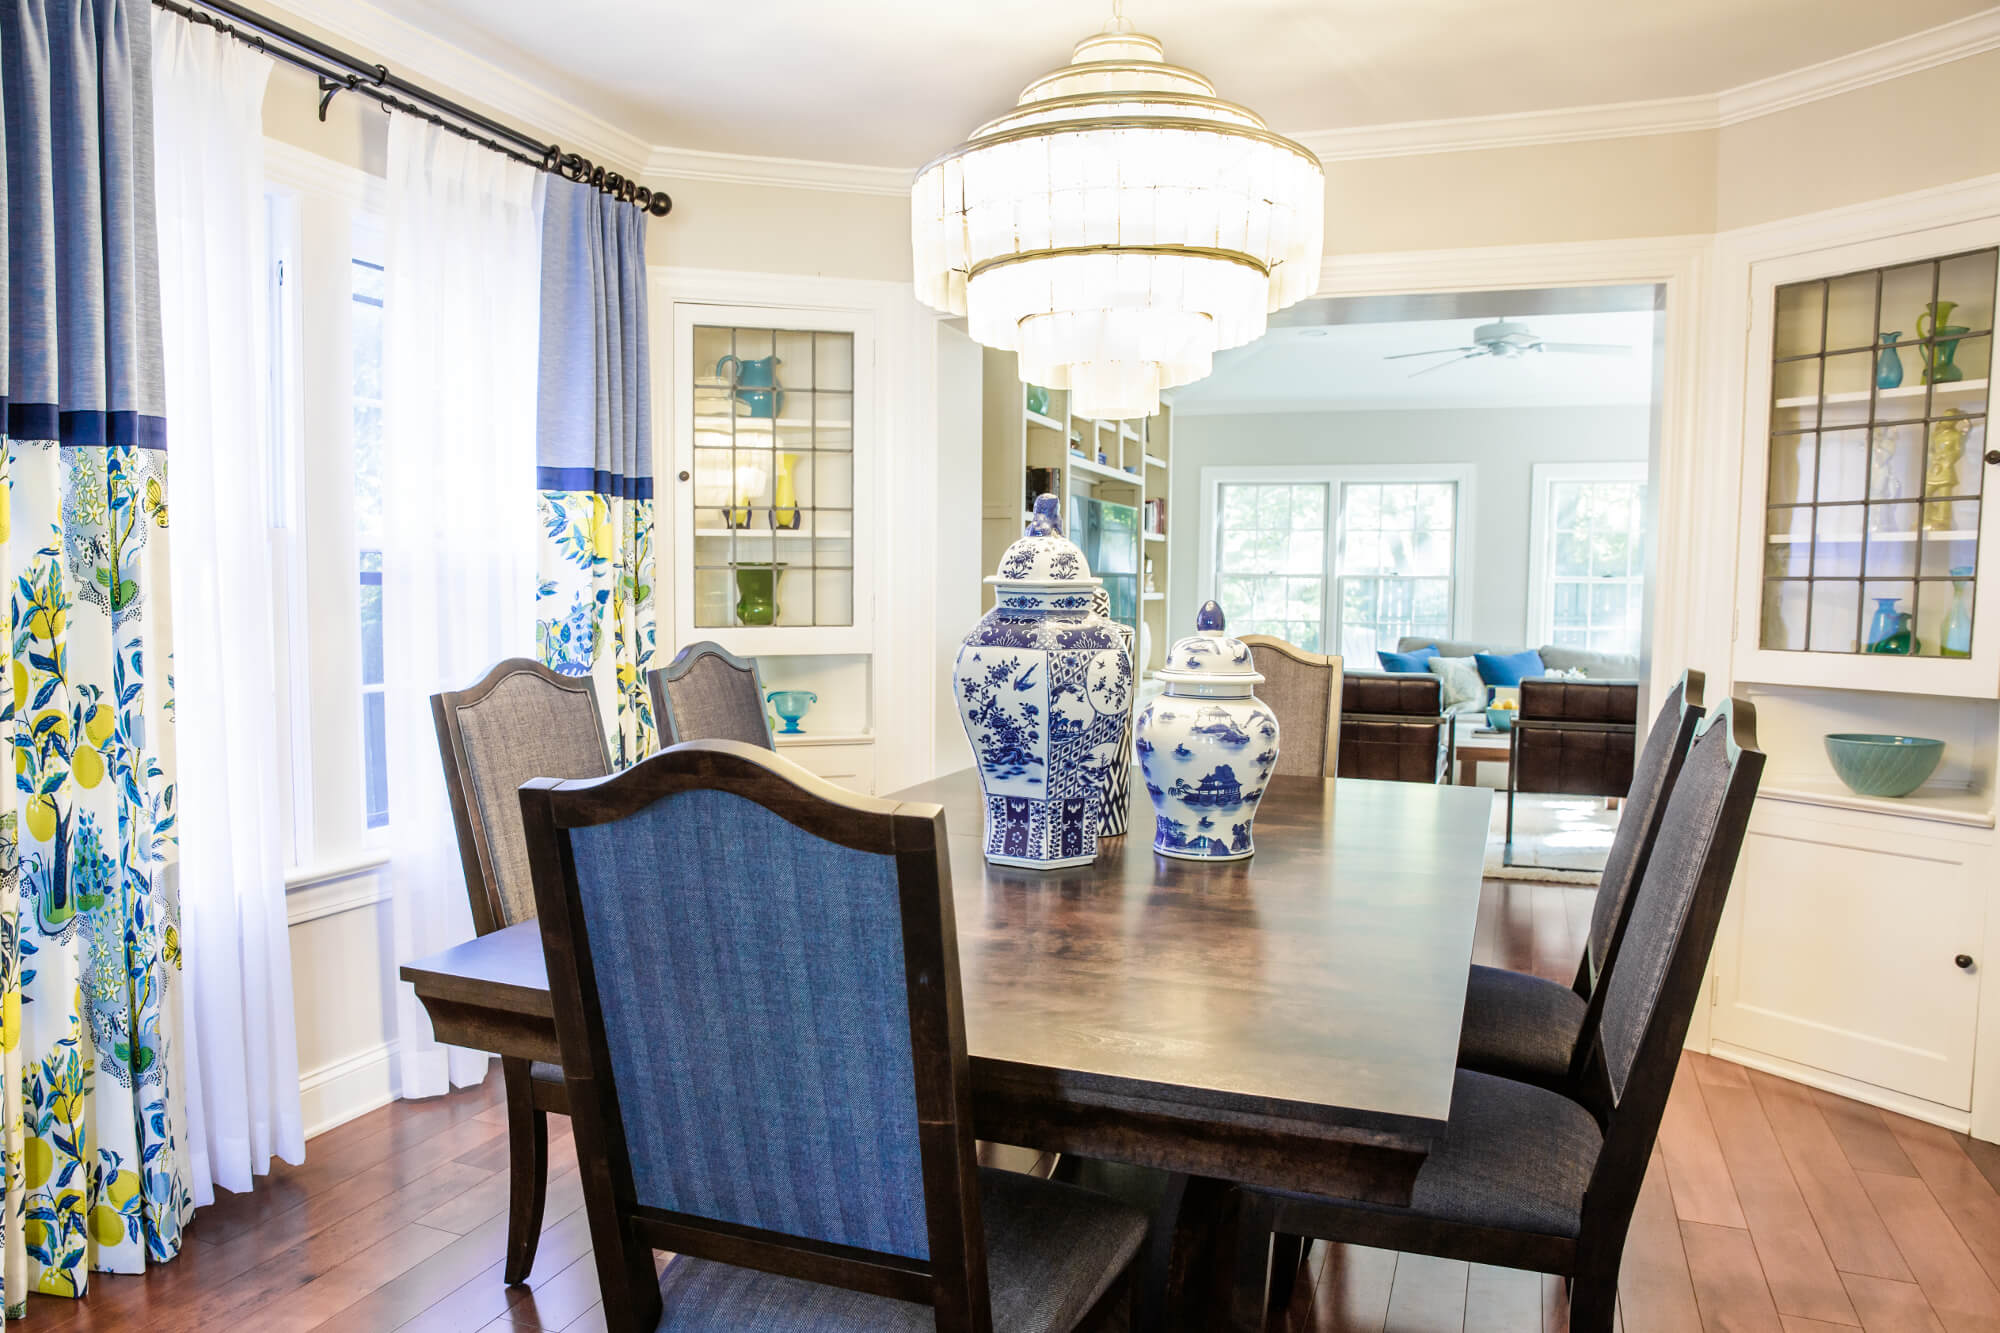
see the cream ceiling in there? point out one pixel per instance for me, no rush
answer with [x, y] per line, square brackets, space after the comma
[892, 82]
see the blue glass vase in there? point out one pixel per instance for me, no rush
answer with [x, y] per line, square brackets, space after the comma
[1889, 363]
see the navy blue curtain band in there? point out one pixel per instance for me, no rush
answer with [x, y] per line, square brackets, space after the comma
[591, 479]
[47, 421]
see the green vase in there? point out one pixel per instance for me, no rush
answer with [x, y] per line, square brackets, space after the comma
[757, 595]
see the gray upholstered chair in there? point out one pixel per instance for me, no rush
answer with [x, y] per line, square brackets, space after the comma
[755, 982]
[708, 693]
[520, 721]
[1304, 690]
[1527, 1178]
[1540, 1031]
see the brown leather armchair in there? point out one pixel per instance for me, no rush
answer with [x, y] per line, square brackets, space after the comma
[1392, 727]
[1573, 738]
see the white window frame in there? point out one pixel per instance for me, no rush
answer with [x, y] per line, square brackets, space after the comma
[1335, 477]
[326, 214]
[1543, 479]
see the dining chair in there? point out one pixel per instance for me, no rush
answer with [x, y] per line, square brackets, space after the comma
[708, 693]
[756, 993]
[1527, 1178]
[520, 721]
[1392, 726]
[1539, 1031]
[1303, 689]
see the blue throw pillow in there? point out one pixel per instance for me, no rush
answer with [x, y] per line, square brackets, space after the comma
[1507, 670]
[1408, 661]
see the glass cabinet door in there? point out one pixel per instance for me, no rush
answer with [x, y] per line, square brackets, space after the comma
[772, 495]
[1875, 462]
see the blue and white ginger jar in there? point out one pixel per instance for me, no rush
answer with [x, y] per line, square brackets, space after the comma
[1044, 686]
[1207, 746]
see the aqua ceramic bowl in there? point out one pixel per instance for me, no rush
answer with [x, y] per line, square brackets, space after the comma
[1878, 765]
[1500, 719]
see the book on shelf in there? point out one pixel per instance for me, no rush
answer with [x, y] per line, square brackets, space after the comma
[1042, 481]
[1155, 518]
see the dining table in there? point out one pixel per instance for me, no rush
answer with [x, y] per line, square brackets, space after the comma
[1288, 1020]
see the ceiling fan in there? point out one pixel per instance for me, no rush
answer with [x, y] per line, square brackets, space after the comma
[1505, 338]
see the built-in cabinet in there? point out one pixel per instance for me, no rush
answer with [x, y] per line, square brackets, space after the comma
[1854, 949]
[1034, 443]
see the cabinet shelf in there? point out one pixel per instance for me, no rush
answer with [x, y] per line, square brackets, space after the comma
[1944, 805]
[1874, 538]
[1103, 471]
[1155, 536]
[1955, 389]
[1152, 597]
[1044, 421]
[1154, 460]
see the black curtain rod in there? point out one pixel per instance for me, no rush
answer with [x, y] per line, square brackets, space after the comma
[339, 72]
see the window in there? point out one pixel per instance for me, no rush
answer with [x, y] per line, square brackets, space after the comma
[325, 388]
[369, 286]
[1270, 567]
[1397, 551]
[1587, 578]
[1337, 559]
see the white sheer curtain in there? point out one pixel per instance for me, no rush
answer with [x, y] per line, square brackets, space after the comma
[458, 506]
[236, 976]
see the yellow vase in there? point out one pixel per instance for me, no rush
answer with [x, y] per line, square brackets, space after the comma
[1941, 476]
[784, 501]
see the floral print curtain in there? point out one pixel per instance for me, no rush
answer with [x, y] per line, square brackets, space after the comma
[594, 600]
[89, 946]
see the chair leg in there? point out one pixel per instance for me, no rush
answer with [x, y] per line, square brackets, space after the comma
[527, 1170]
[1243, 1254]
[1287, 1253]
[1593, 1303]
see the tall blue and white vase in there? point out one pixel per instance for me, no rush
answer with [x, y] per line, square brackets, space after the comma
[1118, 776]
[1207, 746]
[1044, 687]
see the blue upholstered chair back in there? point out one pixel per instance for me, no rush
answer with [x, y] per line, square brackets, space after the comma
[1659, 763]
[751, 980]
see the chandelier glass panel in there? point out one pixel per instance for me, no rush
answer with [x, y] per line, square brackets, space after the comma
[1119, 227]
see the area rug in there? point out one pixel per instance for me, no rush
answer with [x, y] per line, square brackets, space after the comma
[1557, 839]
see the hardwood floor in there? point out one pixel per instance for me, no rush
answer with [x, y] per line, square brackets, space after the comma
[1770, 1208]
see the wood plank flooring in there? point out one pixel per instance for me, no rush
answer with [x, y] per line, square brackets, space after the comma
[1770, 1208]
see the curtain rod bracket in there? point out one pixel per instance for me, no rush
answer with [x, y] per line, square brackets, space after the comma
[327, 88]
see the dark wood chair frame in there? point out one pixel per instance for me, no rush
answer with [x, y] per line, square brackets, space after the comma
[953, 1280]
[1335, 667]
[1631, 1123]
[529, 1099]
[1531, 725]
[685, 661]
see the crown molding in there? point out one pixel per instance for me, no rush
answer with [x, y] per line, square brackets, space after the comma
[1913, 54]
[403, 44]
[671, 164]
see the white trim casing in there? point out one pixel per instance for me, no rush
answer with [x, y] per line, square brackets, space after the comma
[1542, 477]
[1334, 476]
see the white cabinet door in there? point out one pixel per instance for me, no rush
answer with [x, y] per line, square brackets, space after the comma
[844, 764]
[1842, 946]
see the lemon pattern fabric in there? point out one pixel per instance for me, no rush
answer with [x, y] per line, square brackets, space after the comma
[594, 611]
[89, 939]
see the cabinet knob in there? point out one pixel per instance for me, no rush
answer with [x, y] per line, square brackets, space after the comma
[684, 476]
[1993, 455]
[1964, 960]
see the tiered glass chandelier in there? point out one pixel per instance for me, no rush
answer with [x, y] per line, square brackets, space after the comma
[1119, 227]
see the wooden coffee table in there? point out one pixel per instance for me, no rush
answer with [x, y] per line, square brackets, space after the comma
[1473, 750]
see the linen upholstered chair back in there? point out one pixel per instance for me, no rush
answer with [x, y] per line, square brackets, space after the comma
[755, 980]
[1392, 726]
[1651, 994]
[520, 721]
[708, 693]
[1303, 689]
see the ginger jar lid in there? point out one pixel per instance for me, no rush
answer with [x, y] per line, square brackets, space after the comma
[1044, 560]
[1210, 656]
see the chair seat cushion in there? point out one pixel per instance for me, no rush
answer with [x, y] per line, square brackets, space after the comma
[1516, 1158]
[1519, 1026]
[1051, 1252]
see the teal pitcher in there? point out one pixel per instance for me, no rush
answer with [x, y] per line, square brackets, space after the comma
[1889, 364]
[755, 381]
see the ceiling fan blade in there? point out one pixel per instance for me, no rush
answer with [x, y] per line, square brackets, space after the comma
[1435, 351]
[1588, 349]
[1470, 356]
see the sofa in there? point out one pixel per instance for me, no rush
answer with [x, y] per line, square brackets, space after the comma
[1556, 657]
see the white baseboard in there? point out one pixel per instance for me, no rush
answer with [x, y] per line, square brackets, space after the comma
[339, 1091]
[1871, 1094]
